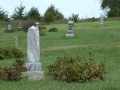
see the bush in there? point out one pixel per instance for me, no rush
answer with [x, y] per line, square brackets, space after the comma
[10, 52]
[17, 29]
[42, 27]
[27, 24]
[53, 29]
[76, 69]
[13, 73]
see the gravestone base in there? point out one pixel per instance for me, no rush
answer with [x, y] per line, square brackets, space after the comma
[69, 35]
[33, 75]
[101, 24]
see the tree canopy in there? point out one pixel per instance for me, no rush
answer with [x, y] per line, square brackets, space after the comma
[19, 12]
[3, 14]
[113, 7]
[52, 14]
[34, 14]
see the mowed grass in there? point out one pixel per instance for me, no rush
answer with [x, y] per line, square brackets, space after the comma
[103, 42]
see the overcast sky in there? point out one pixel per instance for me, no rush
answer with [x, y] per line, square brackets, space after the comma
[85, 8]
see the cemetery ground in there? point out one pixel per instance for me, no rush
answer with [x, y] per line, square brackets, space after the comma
[102, 41]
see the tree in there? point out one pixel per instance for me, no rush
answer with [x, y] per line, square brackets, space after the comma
[52, 14]
[74, 17]
[34, 14]
[112, 7]
[19, 12]
[3, 14]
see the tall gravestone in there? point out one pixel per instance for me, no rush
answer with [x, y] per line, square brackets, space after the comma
[9, 27]
[70, 31]
[101, 20]
[33, 64]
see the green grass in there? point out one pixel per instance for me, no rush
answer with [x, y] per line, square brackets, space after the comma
[102, 42]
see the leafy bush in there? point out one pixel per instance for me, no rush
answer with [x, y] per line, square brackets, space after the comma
[42, 27]
[17, 29]
[76, 69]
[10, 52]
[13, 73]
[53, 29]
[27, 24]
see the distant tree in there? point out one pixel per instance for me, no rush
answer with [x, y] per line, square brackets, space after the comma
[74, 17]
[19, 12]
[34, 14]
[112, 7]
[3, 14]
[52, 14]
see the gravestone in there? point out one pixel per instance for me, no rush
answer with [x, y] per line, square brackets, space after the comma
[9, 27]
[16, 42]
[70, 31]
[101, 20]
[37, 25]
[33, 64]
[20, 24]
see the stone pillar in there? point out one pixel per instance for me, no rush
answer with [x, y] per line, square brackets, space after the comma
[33, 64]
[101, 20]
[70, 31]
[9, 27]
[37, 25]
[16, 42]
[33, 50]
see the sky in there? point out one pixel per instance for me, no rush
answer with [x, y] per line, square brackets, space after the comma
[85, 8]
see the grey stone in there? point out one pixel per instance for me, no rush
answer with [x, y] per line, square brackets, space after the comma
[33, 75]
[33, 50]
[101, 20]
[70, 31]
[9, 27]
[37, 25]
[20, 24]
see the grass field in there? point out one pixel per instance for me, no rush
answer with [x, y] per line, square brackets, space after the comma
[102, 42]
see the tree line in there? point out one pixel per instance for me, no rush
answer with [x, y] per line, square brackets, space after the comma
[111, 8]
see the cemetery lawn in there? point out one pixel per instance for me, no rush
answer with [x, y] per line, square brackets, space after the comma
[103, 42]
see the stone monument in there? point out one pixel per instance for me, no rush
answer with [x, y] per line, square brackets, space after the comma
[16, 42]
[33, 64]
[9, 27]
[70, 31]
[37, 25]
[20, 24]
[101, 20]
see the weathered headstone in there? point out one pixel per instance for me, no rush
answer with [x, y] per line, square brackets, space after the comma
[101, 20]
[16, 42]
[70, 31]
[9, 27]
[33, 64]
[37, 25]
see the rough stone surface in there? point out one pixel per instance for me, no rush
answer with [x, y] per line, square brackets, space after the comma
[33, 75]
[33, 50]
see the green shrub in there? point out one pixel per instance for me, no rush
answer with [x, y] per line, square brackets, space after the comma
[76, 69]
[17, 29]
[28, 23]
[53, 29]
[17, 53]
[13, 73]
[42, 27]
[10, 52]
